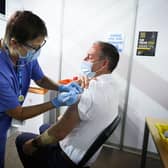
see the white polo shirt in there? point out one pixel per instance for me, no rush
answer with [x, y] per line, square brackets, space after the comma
[98, 107]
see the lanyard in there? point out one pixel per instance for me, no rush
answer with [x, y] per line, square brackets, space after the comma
[20, 79]
[19, 67]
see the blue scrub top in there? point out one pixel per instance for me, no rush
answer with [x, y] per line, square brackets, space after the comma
[9, 88]
[9, 85]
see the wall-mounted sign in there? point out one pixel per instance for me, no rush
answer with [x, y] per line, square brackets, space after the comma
[146, 43]
[117, 40]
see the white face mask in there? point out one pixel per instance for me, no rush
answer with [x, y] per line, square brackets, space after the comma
[86, 69]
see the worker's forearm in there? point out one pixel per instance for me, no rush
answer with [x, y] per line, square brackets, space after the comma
[32, 111]
[22, 113]
[47, 84]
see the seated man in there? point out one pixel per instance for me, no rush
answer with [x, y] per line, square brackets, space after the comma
[63, 144]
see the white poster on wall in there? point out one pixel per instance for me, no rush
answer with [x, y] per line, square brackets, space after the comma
[117, 39]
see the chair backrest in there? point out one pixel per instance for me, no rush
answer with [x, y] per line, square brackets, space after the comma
[104, 135]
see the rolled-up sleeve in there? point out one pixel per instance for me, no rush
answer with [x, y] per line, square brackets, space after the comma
[37, 72]
[85, 105]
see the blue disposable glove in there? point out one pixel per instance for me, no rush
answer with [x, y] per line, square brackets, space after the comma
[72, 86]
[65, 99]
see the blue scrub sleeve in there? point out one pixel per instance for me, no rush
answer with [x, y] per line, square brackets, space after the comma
[37, 72]
[8, 98]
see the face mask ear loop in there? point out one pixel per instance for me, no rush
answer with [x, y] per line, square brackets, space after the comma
[104, 64]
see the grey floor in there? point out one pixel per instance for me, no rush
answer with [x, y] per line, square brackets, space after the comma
[108, 158]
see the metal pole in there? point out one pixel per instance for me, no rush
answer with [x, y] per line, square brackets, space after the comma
[128, 79]
[54, 113]
[60, 47]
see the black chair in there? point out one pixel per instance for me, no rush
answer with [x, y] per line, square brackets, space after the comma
[104, 135]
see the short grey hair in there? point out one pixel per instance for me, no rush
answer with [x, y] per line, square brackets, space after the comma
[110, 52]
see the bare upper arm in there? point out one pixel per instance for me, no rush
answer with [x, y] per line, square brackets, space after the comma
[66, 124]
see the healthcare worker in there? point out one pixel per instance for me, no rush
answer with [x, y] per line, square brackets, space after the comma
[24, 37]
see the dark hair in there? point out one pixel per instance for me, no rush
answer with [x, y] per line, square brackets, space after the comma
[24, 26]
[110, 52]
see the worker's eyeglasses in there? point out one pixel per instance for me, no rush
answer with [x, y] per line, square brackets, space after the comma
[35, 48]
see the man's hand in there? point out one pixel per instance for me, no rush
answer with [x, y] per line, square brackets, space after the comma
[83, 81]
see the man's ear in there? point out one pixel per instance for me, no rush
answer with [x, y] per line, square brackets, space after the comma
[105, 62]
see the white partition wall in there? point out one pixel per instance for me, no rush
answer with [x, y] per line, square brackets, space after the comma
[149, 80]
[33, 124]
[51, 12]
[11, 5]
[2, 26]
[87, 21]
